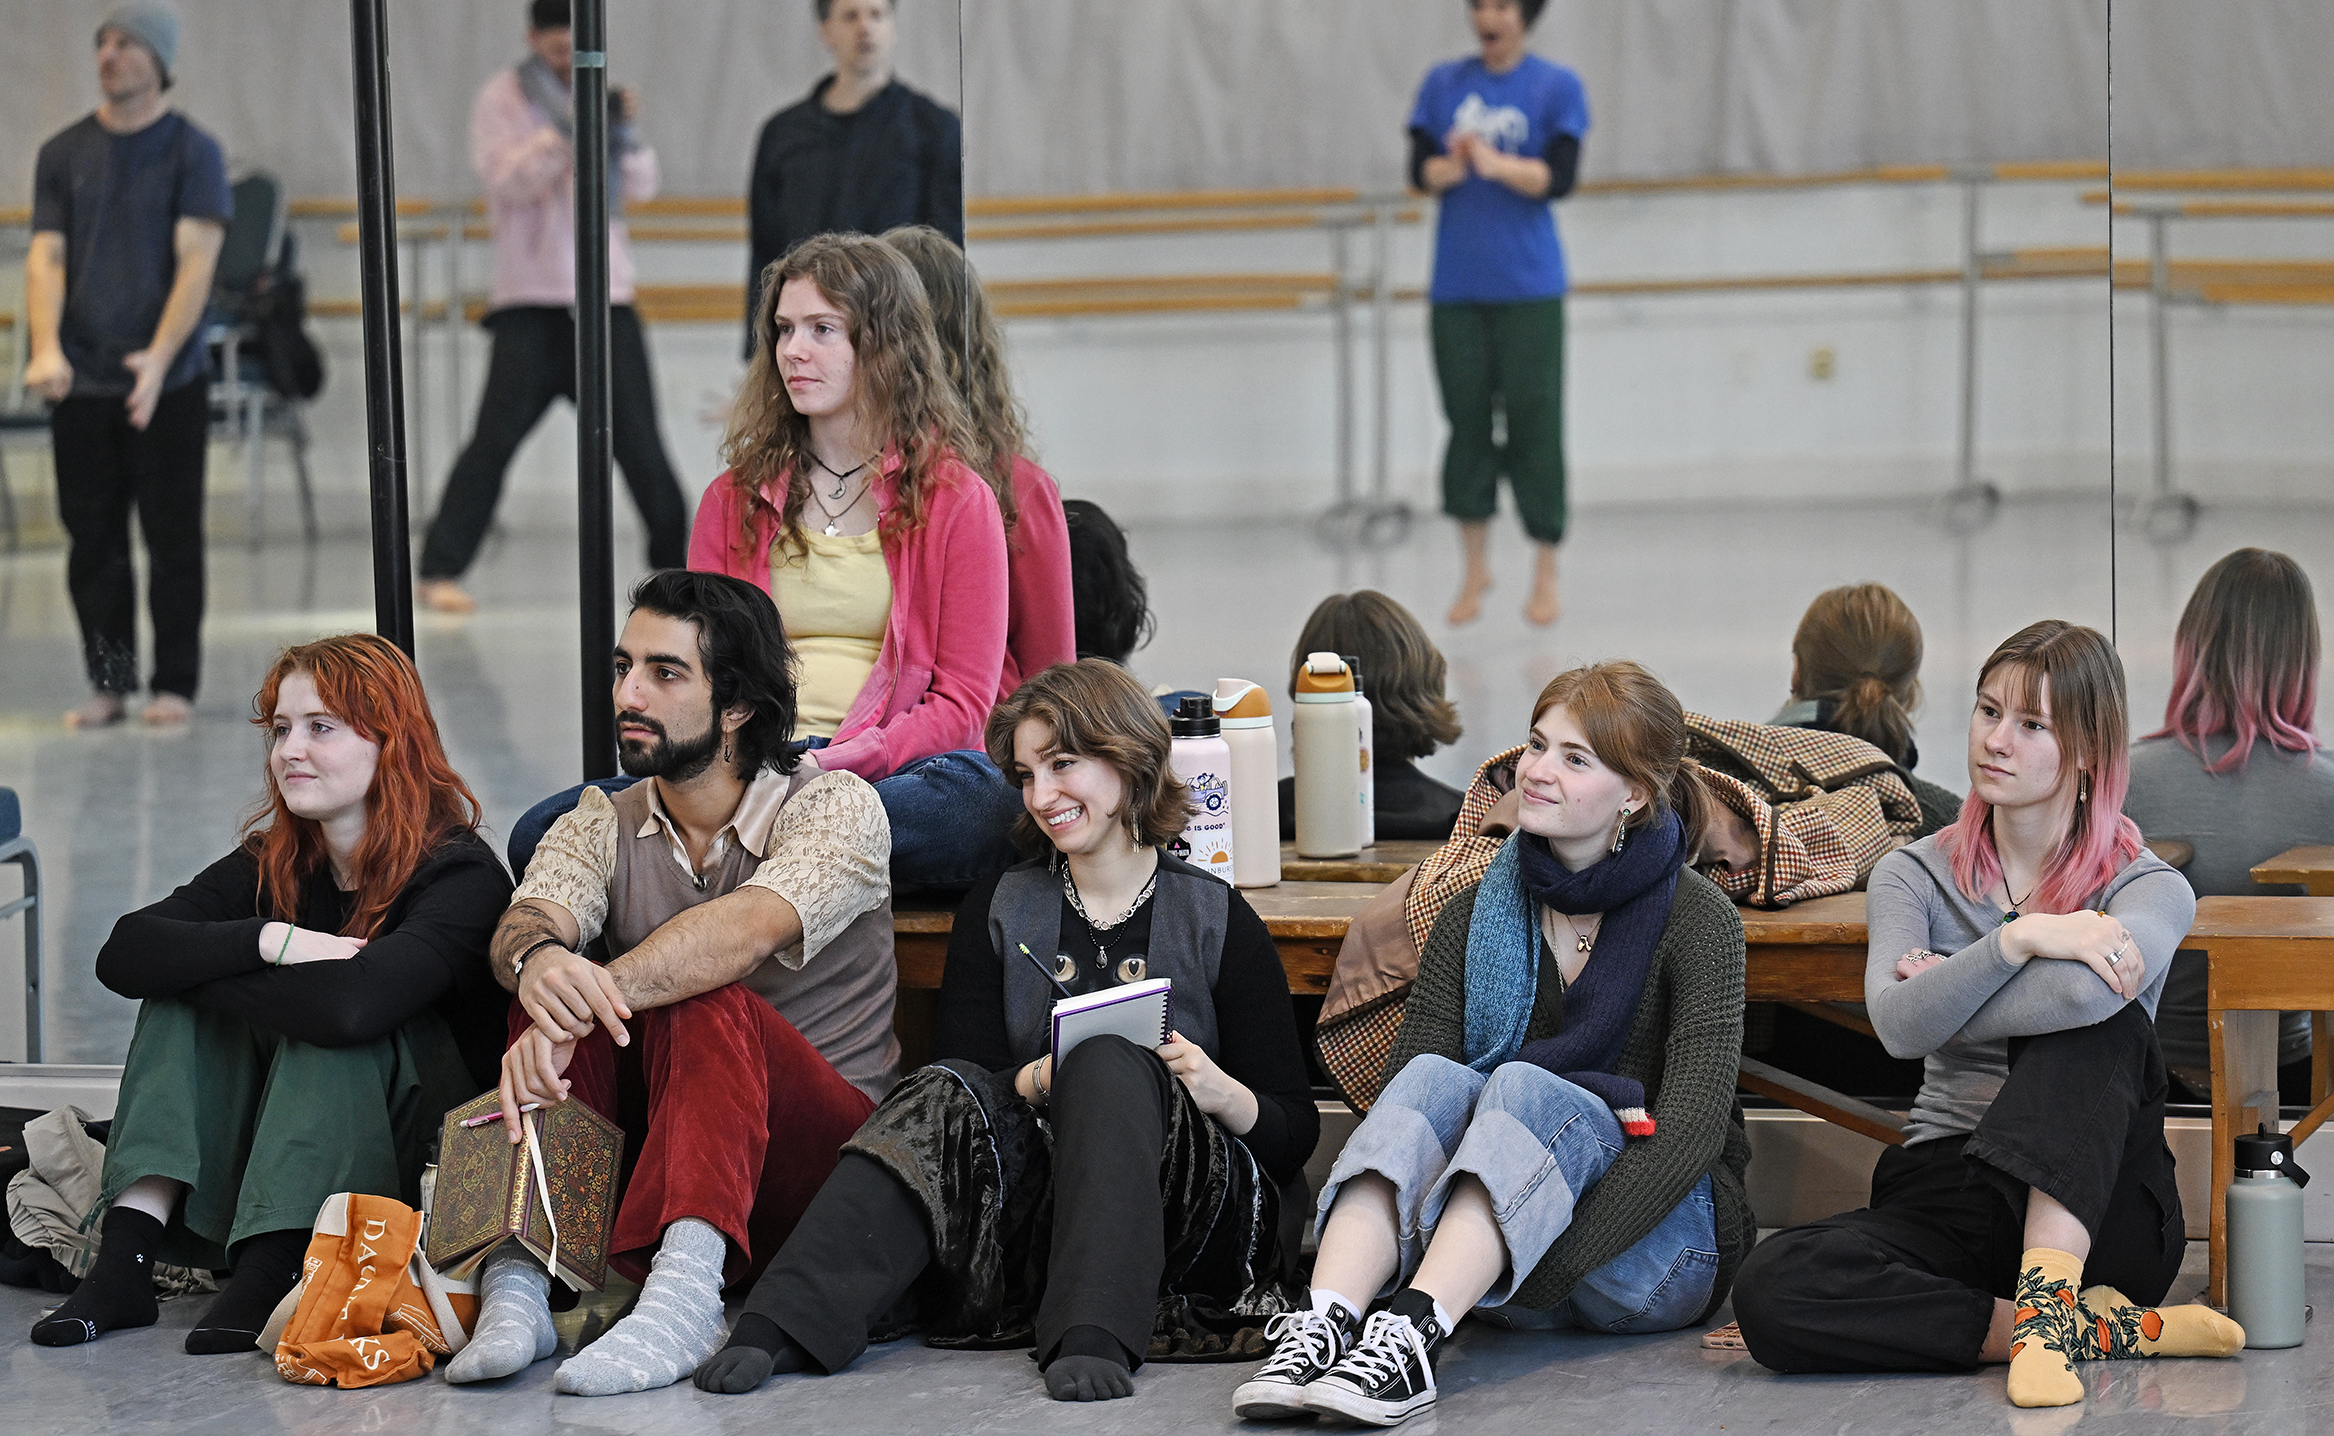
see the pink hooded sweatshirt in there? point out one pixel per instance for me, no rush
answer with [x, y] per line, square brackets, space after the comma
[937, 673]
[1042, 623]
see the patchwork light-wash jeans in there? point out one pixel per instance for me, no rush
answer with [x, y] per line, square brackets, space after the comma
[1536, 1142]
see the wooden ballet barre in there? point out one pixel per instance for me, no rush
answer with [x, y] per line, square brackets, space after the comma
[2297, 180]
[2216, 208]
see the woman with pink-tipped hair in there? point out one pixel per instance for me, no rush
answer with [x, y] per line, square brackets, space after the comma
[2236, 772]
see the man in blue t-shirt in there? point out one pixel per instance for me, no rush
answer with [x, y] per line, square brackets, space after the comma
[130, 205]
[1497, 138]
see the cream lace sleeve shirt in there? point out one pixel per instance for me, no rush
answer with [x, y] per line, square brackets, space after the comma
[828, 853]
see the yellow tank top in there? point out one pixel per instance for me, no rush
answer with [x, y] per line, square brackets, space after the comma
[833, 596]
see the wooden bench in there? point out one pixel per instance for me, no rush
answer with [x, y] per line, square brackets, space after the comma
[2266, 955]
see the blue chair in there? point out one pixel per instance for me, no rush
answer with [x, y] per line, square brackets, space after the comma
[16, 848]
[528, 831]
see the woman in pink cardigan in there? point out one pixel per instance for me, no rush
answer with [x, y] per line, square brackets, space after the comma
[845, 500]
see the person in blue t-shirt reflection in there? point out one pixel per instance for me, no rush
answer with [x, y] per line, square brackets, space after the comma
[1497, 137]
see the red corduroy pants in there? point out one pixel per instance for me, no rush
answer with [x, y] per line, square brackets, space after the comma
[729, 1116]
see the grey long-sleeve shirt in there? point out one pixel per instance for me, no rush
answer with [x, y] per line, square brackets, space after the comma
[1960, 1014]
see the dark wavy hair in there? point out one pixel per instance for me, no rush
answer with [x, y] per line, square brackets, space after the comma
[743, 649]
[1402, 671]
[1110, 601]
[1097, 710]
[899, 382]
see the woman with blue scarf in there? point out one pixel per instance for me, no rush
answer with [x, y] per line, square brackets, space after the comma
[1559, 1143]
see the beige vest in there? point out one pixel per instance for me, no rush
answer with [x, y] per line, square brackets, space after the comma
[841, 1000]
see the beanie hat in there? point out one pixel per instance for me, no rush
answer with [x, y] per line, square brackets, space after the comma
[153, 24]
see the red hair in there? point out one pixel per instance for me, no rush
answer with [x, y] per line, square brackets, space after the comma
[2075, 671]
[417, 800]
[2245, 660]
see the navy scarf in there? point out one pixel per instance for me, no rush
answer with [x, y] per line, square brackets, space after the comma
[1633, 889]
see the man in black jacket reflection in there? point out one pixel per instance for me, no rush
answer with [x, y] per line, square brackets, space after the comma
[862, 152]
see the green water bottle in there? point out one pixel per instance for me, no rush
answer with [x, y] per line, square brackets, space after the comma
[2265, 1241]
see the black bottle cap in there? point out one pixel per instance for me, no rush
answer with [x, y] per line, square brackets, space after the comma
[2266, 1151]
[1353, 666]
[1195, 717]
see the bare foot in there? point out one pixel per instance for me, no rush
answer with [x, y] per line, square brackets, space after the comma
[103, 710]
[167, 710]
[1468, 606]
[443, 595]
[1544, 608]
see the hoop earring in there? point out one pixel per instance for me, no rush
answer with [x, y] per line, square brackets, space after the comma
[1621, 832]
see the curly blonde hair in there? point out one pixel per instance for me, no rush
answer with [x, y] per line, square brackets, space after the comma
[903, 399]
[974, 350]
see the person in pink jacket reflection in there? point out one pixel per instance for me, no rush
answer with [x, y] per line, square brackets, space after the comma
[847, 501]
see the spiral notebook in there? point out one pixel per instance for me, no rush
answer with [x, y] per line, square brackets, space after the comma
[1141, 1012]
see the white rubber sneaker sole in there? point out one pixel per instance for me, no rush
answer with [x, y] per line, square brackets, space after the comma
[1269, 1401]
[1335, 1398]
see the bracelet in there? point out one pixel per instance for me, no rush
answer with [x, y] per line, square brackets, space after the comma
[289, 929]
[519, 964]
[1044, 1093]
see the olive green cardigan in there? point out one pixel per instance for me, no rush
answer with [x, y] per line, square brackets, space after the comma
[1683, 1044]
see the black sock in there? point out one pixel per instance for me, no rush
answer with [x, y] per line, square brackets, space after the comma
[757, 1349]
[1419, 1307]
[1089, 1365]
[265, 1267]
[119, 1290]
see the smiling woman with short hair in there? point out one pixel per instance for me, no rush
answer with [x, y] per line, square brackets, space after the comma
[308, 1004]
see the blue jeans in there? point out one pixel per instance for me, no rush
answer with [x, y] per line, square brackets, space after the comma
[1536, 1142]
[951, 819]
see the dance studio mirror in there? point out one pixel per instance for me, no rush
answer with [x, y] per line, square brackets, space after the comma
[2223, 231]
[1836, 313]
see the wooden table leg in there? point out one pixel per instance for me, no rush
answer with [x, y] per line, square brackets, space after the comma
[2321, 1056]
[2244, 1094]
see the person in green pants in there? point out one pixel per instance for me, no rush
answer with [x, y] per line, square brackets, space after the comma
[1497, 137]
[309, 1005]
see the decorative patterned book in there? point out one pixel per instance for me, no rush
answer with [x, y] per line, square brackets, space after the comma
[487, 1191]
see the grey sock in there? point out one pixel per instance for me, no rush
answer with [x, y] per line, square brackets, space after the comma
[514, 1319]
[671, 1332]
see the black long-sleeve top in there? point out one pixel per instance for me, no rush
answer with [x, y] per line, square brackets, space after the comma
[1562, 157]
[897, 159]
[1256, 1028]
[201, 945]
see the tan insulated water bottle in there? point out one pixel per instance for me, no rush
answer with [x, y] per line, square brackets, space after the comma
[1245, 711]
[1365, 725]
[1328, 744]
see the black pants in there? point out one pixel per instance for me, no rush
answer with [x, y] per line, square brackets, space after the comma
[104, 469]
[1138, 1203]
[533, 364]
[1909, 1283]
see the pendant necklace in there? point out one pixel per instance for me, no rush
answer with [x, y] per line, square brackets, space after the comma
[835, 516]
[2010, 914]
[1587, 940]
[840, 474]
[1133, 968]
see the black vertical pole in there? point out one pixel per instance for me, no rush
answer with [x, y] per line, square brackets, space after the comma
[384, 362]
[595, 563]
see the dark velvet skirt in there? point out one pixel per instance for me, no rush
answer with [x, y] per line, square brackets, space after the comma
[985, 1167]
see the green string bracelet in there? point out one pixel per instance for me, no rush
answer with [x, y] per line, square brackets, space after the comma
[289, 929]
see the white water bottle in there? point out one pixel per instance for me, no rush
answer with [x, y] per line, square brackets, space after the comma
[1245, 711]
[1328, 759]
[1201, 758]
[1369, 770]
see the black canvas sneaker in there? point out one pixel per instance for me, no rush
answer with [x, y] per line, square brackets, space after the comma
[1305, 1345]
[1387, 1378]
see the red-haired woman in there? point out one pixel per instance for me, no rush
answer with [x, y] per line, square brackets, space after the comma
[2236, 771]
[2032, 1215]
[308, 1005]
[847, 502]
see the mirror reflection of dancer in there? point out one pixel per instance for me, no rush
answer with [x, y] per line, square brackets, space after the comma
[1497, 138]
[522, 143]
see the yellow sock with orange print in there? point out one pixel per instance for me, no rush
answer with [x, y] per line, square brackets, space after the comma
[2115, 1327]
[2046, 1333]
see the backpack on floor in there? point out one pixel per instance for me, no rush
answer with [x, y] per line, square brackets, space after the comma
[369, 1309]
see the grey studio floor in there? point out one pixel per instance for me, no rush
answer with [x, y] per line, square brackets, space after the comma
[1706, 594]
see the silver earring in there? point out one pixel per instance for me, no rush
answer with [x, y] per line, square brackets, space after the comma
[1621, 831]
[725, 750]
